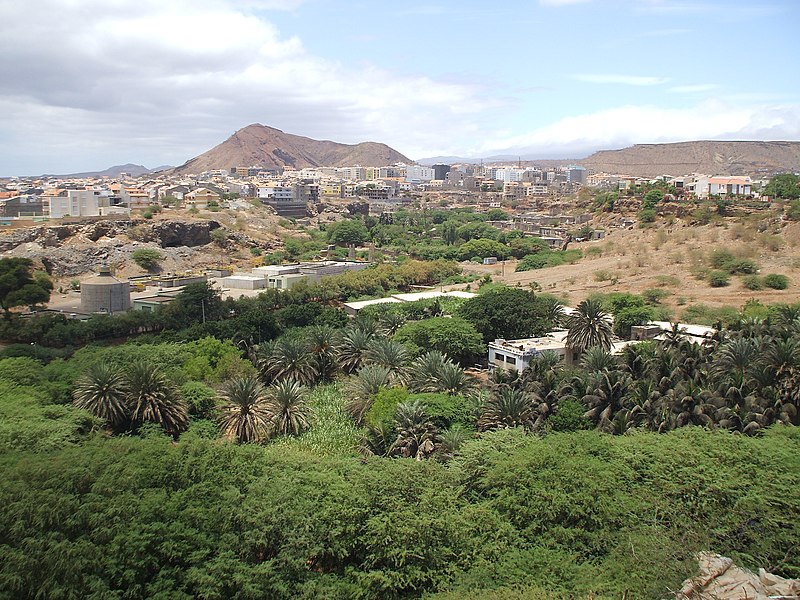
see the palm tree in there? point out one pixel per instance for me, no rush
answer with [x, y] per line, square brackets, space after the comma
[597, 359]
[103, 391]
[388, 353]
[734, 362]
[245, 415]
[553, 310]
[507, 407]
[363, 387]
[425, 371]
[352, 346]
[288, 358]
[417, 436]
[152, 398]
[452, 380]
[608, 392]
[287, 408]
[391, 321]
[692, 405]
[637, 359]
[589, 326]
[451, 441]
[433, 372]
[322, 339]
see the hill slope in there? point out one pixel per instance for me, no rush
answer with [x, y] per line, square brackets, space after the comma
[709, 157]
[259, 145]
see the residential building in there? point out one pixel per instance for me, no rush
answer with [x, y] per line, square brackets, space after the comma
[517, 354]
[201, 198]
[74, 203]
[705, 187]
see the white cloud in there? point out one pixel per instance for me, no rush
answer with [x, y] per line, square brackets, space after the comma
[163, 80]
[626, 125]
[609, 78]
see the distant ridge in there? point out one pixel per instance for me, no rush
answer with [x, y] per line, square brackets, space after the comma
[709, 157]
[259, 145]
[115, 171]
[680, 158]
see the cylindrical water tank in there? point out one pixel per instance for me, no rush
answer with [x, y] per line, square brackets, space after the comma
[105, 293]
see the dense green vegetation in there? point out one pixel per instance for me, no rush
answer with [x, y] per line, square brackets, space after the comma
[273, 447]
[573, 514]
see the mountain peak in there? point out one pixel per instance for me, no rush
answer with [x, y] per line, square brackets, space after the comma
[271, 148]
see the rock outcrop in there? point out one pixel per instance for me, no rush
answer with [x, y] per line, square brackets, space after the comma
[720, 579]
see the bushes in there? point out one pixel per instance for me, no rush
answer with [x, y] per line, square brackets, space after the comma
[647, 215]
[718, 279]
[548, 258]
[776, 281]
[753, 282]
[147, 258]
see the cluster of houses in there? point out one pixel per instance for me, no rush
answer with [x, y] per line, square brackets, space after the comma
[291, 192]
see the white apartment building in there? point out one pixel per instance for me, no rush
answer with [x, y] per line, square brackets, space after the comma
[76, 203]
[417, 173]
[509, 174]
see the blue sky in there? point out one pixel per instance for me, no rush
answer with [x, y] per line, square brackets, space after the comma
[87, 84]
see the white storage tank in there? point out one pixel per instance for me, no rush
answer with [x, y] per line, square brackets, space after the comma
[105, 293]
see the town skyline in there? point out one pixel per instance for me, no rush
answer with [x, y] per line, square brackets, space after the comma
[156, 83]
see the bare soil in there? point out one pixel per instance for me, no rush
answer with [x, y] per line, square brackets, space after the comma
[670, 258]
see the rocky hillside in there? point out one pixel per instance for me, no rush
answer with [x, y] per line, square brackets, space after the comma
[71, 250]
[709, 157]
[259, 145]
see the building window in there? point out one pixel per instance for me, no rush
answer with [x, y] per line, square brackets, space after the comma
[499, 357]
[511, 360]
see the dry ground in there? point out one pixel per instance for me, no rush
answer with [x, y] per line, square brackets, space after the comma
[667, 257]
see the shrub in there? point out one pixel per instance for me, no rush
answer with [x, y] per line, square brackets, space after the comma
[630, 316]
[601, 275]
[654, 295]
[718, 278]
[720, 259]
[647, 215]
[753, 282]
[776, 281]
[793, 210]
[568, 416]
[147, 258]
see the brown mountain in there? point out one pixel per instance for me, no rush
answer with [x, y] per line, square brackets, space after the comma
[708, 157]
[259, 145]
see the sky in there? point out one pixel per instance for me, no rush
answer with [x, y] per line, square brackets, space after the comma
[86, 84]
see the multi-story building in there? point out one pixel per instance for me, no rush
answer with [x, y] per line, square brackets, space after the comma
[74, 203]
[419, 174]
[289, 200]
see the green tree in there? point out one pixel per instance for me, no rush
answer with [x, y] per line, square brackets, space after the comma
[20, 285]
[348, 232]
[785, 185]
[147, 258]
[450, 232]
[507, 313]
[652, 198]
[482, 247]
[455, 337]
